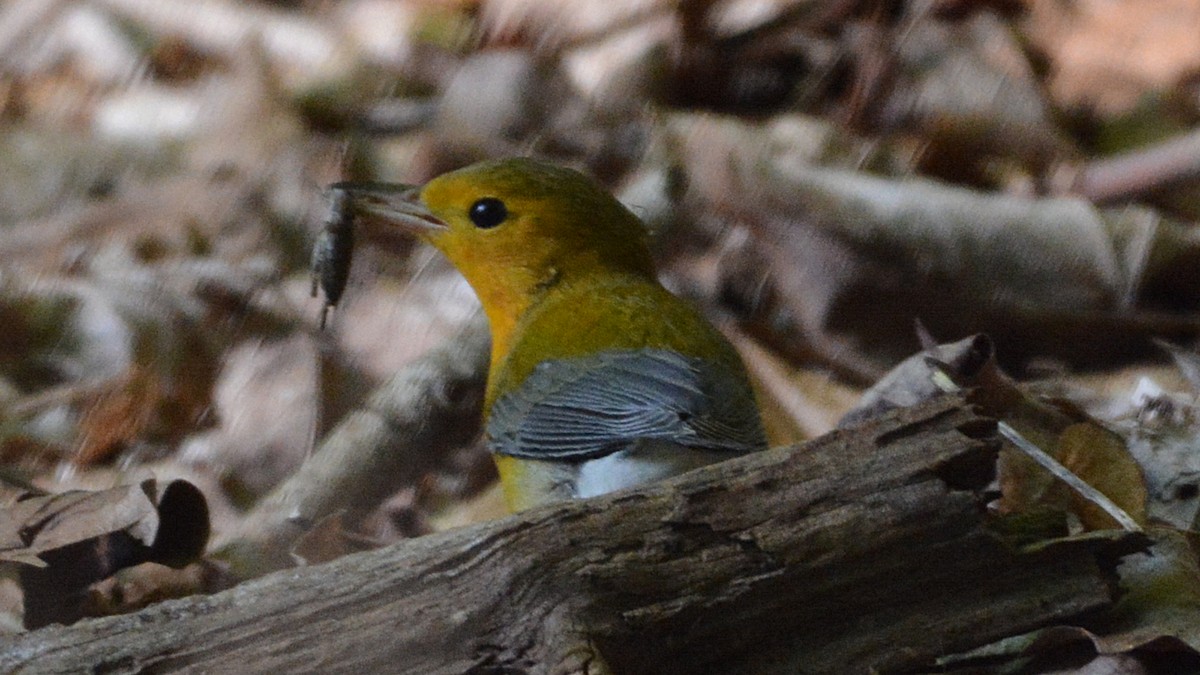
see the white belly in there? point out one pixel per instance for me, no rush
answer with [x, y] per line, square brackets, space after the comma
[648, 461]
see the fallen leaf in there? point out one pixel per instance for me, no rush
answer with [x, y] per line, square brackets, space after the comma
[64, 542]
[967, 362]
[1083, 446]
[120, 414]
[1100, 458]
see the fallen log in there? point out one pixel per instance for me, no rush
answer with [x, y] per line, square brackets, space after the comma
[863, 549]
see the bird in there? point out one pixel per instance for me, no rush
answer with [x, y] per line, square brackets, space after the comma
[599, 377]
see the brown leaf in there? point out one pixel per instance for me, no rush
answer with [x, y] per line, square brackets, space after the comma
[1095, 454]
[136, 587]
[1111, 54]
[794, 407]
[329, 539]
[119, 415]
[66, 541]
[1100, 458]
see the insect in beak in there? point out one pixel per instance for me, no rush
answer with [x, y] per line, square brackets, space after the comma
[393, 204]
[384, 209]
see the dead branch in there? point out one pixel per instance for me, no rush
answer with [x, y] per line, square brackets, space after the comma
[1140, 172]
[863, 549]
[403, 430]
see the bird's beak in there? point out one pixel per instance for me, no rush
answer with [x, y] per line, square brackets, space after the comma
[388, 204]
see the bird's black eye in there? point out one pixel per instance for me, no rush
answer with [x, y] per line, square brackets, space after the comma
[488, 212]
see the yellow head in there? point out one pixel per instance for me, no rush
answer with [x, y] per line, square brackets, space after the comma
[515, 228]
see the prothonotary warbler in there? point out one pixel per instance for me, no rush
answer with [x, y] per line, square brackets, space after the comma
[600, 378]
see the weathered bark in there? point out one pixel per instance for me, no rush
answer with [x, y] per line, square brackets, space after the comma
[862, 549]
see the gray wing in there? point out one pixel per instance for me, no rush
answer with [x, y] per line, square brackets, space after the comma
[583, 408]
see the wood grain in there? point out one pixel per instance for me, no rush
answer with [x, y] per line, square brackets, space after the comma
[862, 549]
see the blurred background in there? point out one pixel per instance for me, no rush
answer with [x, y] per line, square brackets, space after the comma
[837, 183]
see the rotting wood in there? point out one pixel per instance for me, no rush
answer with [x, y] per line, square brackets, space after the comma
[861, 549]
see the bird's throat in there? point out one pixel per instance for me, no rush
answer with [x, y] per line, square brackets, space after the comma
[506, 304]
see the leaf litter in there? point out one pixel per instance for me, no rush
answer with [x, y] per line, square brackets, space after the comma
[818, 178]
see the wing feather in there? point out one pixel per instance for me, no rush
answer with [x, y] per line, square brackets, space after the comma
[583, 408]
